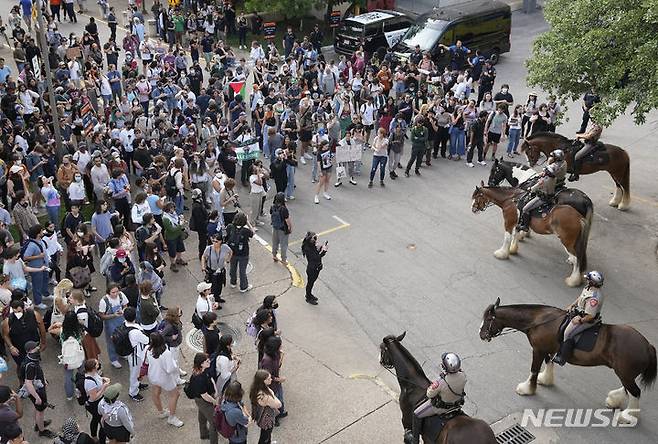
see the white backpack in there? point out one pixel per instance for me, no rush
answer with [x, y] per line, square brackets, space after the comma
[106, 260]
[73, 355]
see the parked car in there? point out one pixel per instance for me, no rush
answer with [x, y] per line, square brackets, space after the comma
[374, 30]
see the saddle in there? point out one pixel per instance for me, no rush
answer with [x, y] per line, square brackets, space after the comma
[598, 156]
[433, 425]
[584, 341]
[541, 211]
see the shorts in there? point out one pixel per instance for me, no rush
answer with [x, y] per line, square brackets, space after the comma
[368, 127]
[175, 246]
[305, 135]
[119, 433]
[325, 172]
[44, 400]
[493, 137]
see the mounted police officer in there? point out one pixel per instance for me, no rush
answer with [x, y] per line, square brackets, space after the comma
[444, 395]
[543, 191]
[586, 311]
[589, 138]
[557, 158]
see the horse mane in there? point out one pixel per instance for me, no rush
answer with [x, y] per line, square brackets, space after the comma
[515, 164]
[407, 354]
[548, 135]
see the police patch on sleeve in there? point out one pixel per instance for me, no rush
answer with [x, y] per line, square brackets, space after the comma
[593, 302]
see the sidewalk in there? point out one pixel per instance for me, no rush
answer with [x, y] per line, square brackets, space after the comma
[329, 363]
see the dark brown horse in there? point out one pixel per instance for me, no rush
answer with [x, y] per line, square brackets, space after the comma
[620, 347]
[413, 387]
[571, 227]
[618, 164]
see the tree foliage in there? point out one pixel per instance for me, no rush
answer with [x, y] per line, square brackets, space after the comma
[287, 8]
[610, 46]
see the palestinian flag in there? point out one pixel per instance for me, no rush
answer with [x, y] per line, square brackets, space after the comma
[239, 88]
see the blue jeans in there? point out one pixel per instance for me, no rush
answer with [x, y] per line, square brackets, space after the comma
[314, 171]
[68, 382]
[457, 141]
[239, 264]
[514, 136]
[179, 202]
[39, 285]
[53, 214]
[378, 161]
[290, 189]
[109, 326]
[279, 394]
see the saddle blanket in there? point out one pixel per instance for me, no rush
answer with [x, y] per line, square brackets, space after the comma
[584, 341]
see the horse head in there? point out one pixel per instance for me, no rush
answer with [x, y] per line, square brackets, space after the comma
[490, 327]
[531, 152]
[385, 359]
[501, 170]
[480, 200]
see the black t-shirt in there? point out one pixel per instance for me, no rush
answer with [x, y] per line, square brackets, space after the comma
[71, 222]
[33, 371]
[211, 340]
[200, 384]
[244, 234]
[143, 157]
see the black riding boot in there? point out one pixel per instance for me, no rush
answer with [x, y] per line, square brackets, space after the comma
[416, 425]
[566, 348]
[575, 175]
[524, 221]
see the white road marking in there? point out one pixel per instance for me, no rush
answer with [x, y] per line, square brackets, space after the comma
[340, 220]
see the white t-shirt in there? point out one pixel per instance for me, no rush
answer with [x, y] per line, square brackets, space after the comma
[77, 191]
[255, 188]
[138, 211]
[82, 160]
[121, 300]
[203, 306]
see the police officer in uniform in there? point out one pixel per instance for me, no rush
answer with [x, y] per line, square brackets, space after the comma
[557, 158]
[590, 139]
[443, 395]
[587, 310]
[543, 191]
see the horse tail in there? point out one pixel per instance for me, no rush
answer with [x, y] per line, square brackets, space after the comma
[648, 376]
[626, 179]
[583, 239]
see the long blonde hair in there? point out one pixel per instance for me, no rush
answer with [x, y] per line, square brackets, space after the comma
[60, 290]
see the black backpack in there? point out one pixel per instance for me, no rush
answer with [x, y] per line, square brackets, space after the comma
[121, 340]
[79, 379]
[94, 321]
[170, 184]
[233, 234]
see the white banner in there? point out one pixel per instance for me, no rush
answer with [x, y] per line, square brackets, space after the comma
[393, 37]
[348, 153]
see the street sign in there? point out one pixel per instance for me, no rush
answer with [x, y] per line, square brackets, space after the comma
[269, 30]
[334, 20]
[37, 68]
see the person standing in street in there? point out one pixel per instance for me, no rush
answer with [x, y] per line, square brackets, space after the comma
[202, 390]
[313, 254]
[281, 227]
[112, 23]
[419, 137]
[476, 140]
[214, 260]
[237, 236]
[32, 375]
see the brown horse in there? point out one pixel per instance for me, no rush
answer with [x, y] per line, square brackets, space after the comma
[618, 164]
[413, 387]
[620, 347]
[566, 222]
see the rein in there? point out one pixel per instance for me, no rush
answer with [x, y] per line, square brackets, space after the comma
[403, 379]
[507, 330]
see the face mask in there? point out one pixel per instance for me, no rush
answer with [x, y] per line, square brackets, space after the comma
[78, 178]
[504, 90]
[80, 234]
[18, 315]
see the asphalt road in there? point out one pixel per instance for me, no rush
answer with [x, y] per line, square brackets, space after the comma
[416, 259]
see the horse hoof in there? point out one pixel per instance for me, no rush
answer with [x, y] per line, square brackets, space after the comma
[514, 250]
[501, 254]
[623, 207]
[573, 281]
[525, 389]
[613, 203]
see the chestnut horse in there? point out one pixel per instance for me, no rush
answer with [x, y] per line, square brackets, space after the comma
[618, 164]
[570, 226]
[413, 388]
[620, 347]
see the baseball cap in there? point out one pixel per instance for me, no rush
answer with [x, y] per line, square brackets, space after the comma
[121, 253]
[203, 286]
[15, 169]
[30, 346]
[196, 193]
[112, 392]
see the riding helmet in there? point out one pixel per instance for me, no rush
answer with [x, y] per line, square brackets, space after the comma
[451, 362]
[557, 154]
[594, 278]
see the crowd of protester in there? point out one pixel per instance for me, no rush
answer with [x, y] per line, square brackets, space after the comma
[152, 151]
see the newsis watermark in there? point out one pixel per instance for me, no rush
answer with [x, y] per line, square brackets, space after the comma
[573, 418]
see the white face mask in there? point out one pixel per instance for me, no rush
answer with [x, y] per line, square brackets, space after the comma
[504, 90]
[18, 315]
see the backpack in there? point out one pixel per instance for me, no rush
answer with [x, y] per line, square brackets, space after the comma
[170, 184]
[81, 394]
[73, 355]
[221, 423]
[94, 321]
[250, 327]
[106, 261]
[277, 221]
[26, 244]
[234, 235]
[121, 340]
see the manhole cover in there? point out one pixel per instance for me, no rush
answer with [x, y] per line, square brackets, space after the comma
[195, 337]
[515, 434]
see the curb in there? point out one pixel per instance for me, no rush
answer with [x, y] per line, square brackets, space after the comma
[297, 280]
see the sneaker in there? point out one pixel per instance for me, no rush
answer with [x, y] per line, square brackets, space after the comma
[181, 381]
[163, 414]
[47, 434]
[337, 184]
[303, 160]
[352, 181]
[470, 164]
[247, 289]
[233, 285]
[137, 398]
[308, 156]
[370, 184]
[392, 176]
[483, 163]
[406, 174]
[417, 172]
[316, 199]
[312, 301]
[291, 197]
[143, 386]
[116, 364]
[326, 196]
[174, 421]
[381, 183]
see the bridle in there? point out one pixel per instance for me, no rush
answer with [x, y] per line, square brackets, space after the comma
[480, 208]
[507, 330]
[389, 368]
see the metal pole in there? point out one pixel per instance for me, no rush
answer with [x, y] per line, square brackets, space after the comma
[43, 46]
